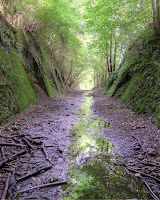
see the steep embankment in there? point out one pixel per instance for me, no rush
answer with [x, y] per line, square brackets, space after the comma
[22, 65]
[137, 82]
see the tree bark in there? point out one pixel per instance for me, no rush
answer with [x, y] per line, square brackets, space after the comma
[70, 72]
[110, 55]
[115, 51]
[156, 15]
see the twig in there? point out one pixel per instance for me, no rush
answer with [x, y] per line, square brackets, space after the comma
[2, 151]
[28, 143]
[34, 141]
[12, 144]
[143, 174]
[19, 135]
[16, 140]
[136, 171]
[139, 142]
[39, 137]
[151, 164]
[152, 193]
[6, 185]
[34, 173]
[12, 188]
[9, 170]
[43, 186]
[30, 197]
[46, 154]
[11, 158]
[112, 168]
[126, 171]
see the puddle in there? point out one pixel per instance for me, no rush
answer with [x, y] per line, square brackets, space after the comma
[92, 174]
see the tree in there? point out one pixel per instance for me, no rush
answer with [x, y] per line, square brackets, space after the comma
[156, 15]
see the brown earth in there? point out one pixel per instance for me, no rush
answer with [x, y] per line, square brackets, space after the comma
[136, 139]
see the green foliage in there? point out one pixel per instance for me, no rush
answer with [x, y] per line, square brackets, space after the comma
[137, 83]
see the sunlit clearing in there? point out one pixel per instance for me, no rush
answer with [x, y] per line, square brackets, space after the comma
[87, 80]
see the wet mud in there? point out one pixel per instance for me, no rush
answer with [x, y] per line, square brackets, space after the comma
[84, 143]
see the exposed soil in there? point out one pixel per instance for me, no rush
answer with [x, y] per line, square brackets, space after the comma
[135, 137]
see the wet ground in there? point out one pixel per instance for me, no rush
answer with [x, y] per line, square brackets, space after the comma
[85, 146]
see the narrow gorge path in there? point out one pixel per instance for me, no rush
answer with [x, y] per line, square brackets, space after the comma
[52, 137]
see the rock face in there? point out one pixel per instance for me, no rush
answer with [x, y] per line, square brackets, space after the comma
[19, 71]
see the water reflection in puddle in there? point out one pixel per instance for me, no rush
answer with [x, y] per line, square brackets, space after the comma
[92, 174]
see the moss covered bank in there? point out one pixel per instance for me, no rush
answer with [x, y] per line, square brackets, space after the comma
[19, 70]
[137, 81]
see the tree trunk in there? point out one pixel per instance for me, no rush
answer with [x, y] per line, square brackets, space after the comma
[70, 72]
[111, 55]
[156, 15]
[59, 74]
[115, 51]
[107, 62]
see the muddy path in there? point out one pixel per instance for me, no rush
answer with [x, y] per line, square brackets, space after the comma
[49, 129]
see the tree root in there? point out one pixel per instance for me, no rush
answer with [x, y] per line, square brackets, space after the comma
[2, 163]
[34, 173]
[6, 185]
[12, 144]
[152, 193]
[43, 186]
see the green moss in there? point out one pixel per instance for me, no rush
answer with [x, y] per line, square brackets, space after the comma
[21, 86]
[4, 58]
[48, 87]
[132, 88]
[45, 64]
[58, 86]
[15, 88]
[137, 82]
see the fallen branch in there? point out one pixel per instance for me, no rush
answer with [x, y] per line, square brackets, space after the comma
[39, 137]
[139, 142]
[19, 135]
[6, 185]
[9, 170]
[152, 193]
[11, 158]
[16, 140]
[151, 164]
[27, 143]
[136, 171]
[2, 152]
[34, 141]
[12, 144]
[111, 168]
[143, 174]
[126, 171]
[34, 173]
[12, 188]
[43, 186]
[46, 154]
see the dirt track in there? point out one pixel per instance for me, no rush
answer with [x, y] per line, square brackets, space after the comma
[50, 122]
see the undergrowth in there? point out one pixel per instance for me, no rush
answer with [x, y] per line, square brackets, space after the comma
[137, 82]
